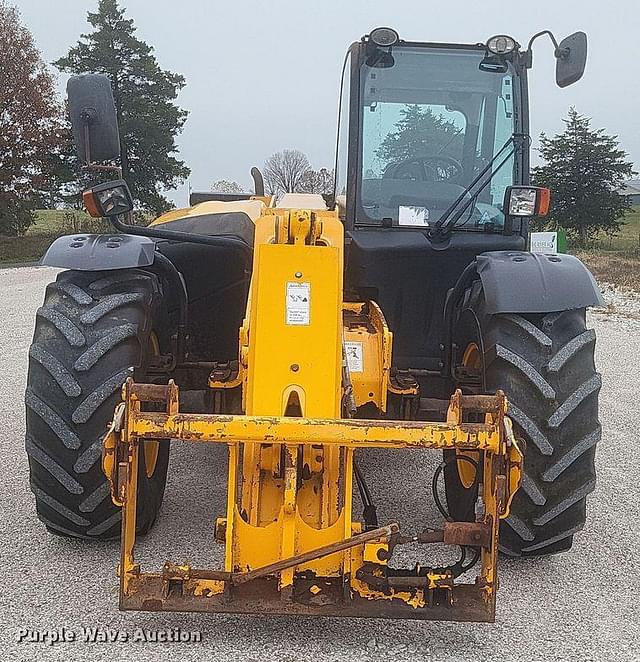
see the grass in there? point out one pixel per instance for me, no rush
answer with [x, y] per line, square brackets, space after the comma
[617, 259]
[56, 222]
[627, 240]
[49, 224]
[30, 248]
[619, 268]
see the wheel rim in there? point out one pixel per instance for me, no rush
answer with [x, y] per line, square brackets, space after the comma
[466, 471]
[151, 447]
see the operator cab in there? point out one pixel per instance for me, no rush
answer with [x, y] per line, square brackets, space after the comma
[431, 140]
[419, 123]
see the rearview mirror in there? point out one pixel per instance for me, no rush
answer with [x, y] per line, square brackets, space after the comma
[93, 118]
[571, 56]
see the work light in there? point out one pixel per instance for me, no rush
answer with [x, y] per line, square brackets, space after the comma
[109, 199]
[384, 37]
[501, 44]
[526, 201]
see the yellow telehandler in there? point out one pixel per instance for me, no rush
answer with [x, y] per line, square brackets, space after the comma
[402, 311]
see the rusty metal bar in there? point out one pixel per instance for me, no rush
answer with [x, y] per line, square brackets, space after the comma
[352, 433]
[262, 596]
[383, 533]
[474, 534]
[149, 392]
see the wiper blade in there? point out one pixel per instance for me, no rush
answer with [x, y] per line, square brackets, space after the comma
[450, 217]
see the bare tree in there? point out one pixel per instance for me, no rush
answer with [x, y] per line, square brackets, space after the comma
[226, 186]
[317, 181]
[284, 171]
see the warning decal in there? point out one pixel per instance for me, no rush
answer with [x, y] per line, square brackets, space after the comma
[355, 361]
[298, 303]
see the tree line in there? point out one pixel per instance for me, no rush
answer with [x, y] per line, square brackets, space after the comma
[287, 171]
[584, 167]
[38, 166]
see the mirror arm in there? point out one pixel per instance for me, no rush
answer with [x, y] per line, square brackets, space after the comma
[87, 147]
[529, 52]
[96, 167]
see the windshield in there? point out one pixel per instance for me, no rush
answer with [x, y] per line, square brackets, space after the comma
[431, 120]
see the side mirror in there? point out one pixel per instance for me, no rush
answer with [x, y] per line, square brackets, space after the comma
[93, 118]
[571, 56]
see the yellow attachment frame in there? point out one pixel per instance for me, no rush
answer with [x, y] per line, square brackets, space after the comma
[291, 544]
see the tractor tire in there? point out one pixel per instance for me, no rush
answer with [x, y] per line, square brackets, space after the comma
[92, 332]
[545, 365]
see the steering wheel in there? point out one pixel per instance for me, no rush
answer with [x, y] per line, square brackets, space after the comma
[444, 168]
[436, 168]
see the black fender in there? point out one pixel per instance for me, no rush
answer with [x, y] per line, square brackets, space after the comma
[100, 252]
[523, 282]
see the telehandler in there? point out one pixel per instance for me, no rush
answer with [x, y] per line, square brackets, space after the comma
[401, 312]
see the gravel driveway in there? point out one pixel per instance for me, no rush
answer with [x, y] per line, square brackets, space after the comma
[580, 605]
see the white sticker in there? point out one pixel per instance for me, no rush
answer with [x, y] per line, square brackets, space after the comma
[413, 216]
[298, 303]
[544, 242]
[355, 360]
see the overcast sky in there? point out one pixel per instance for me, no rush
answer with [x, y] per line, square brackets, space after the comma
[264, 75]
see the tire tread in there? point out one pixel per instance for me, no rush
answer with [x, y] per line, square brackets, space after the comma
[545, 365]
[91, 333]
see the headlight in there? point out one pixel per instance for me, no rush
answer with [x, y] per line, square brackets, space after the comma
[501, 44]
[527, 201]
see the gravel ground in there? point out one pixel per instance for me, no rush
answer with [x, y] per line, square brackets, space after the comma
[579, 605]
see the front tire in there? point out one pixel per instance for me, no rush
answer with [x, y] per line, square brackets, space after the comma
[92, 332]
[545, 365]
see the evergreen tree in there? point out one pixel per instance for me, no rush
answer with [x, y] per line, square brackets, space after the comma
[584, 168]
[144, 95]
[420, 132]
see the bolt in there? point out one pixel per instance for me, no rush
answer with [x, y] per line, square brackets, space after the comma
[298, 274]
[295, 367]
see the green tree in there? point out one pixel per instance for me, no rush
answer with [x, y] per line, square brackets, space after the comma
[420, 132]
[30, 124]
[144, 96]
[584, 168]
[67, 179]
